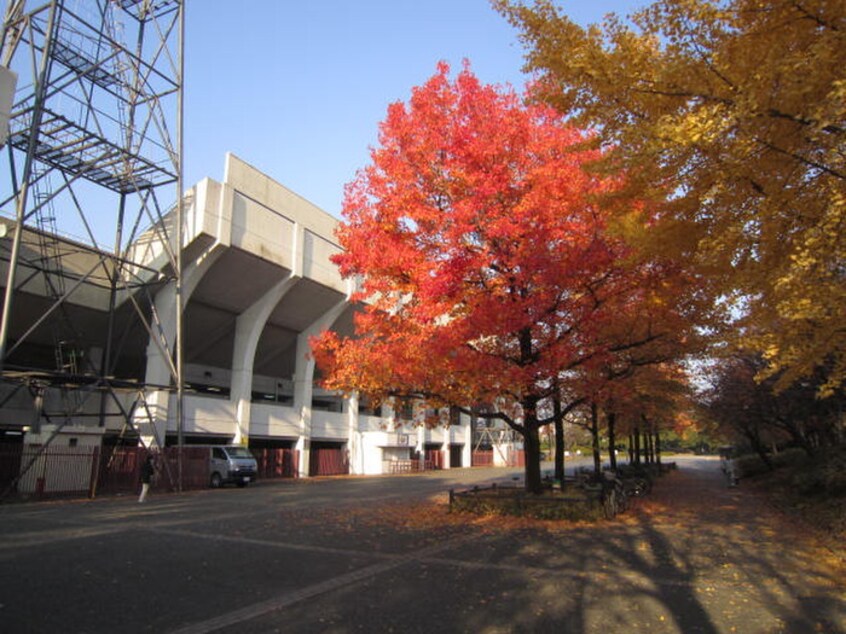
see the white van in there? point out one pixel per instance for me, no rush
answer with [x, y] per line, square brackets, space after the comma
[231, 464]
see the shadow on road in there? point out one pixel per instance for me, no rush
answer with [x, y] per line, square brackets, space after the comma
[381, 554]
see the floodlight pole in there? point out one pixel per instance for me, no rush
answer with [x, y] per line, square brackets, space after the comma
[180, 211]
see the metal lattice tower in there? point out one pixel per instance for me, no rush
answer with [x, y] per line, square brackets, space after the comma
[90, 167]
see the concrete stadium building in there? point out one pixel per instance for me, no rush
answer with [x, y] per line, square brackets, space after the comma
[257, 282]
[127, 324]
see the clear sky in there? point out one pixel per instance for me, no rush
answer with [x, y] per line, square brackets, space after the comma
[297, 88]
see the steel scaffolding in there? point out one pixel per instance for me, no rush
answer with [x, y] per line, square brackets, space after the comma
[90, 204]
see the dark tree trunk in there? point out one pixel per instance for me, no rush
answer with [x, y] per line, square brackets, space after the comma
[531, 444]
[636, 448]
[765, 458]
[652, 446]
[612, 440]
[657, 443]
[594, 431]
[647, 444]
[559, 441]
[800, 436]
[531, 427]
[760, 449]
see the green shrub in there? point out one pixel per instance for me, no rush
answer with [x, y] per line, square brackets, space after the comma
[789, 457]
[749, 465]
[515, 502]
[825, 474]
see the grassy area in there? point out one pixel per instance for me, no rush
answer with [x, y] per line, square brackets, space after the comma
[813, 490]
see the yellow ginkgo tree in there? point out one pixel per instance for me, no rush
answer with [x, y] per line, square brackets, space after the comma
[734, 111]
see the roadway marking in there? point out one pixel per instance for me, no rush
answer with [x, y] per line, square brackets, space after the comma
[13, 542]
[290, 598]
[275, 544]
[391, 561]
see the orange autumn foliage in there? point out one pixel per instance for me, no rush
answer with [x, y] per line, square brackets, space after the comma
[487, 265]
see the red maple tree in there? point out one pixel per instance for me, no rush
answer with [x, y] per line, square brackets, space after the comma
[486, 264]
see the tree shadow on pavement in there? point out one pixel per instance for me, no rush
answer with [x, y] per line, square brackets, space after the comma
[720, 554]
[698, 557]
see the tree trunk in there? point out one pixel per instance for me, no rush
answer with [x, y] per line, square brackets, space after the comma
[657, 443]
[758, 446]
[801, 438]
[647, 440]
[594, 431]
[531, 444]
[531, 428]
[559, 442]
[647, 446]
[612, 439]
[650, 444]
[636, 439]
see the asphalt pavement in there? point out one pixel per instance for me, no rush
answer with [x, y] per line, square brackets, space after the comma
[380, 554]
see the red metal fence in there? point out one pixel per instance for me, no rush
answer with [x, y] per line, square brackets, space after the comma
[485, 458]
[277, 463]
[33, 471]
[120, 469]
[405, 466]
[435, 457]
[56, 471]
[195, 469]
[328, 461]
[482, 458]
[517, 458]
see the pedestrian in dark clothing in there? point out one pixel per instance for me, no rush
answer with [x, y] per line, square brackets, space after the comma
[147, 471]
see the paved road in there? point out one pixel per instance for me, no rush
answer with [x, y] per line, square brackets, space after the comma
[381, 555]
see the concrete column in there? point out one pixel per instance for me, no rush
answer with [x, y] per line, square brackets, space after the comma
[304, 379]
[354, 448]
[152, 420]
[151, 417]
[447, 460]
[467, 452]
[248, 328]
[303, 447]
[421, 445]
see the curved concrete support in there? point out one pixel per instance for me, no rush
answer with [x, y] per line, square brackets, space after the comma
[248, 329]
[304, 379]
[159, 350]
[160, 368]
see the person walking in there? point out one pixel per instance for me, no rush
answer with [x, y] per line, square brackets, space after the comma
[147, 470]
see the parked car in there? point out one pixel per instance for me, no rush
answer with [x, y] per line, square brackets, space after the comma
[231, 464]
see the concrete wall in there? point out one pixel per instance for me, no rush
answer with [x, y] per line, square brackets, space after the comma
[379, 448]
[261, 230]
[274, 421]
[329, 425]
[204, 415]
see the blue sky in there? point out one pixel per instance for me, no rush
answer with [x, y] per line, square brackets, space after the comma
[297, 88]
